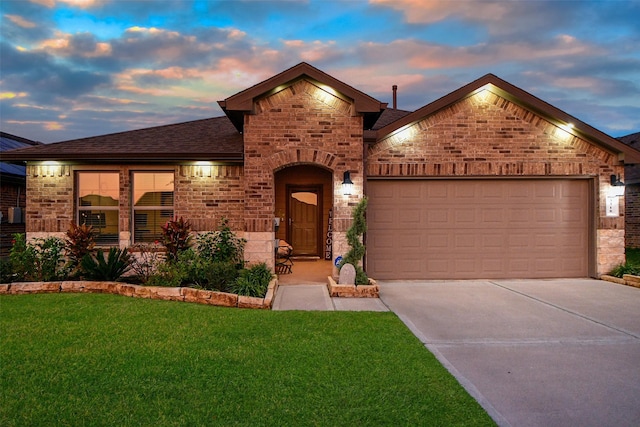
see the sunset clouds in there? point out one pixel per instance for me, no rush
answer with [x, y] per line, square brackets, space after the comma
[81, 68]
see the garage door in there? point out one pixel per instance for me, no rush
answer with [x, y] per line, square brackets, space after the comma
[469, 229]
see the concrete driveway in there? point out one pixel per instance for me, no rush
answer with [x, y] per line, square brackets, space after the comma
[533, 352]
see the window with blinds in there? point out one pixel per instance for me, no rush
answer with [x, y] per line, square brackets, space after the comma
[152, 204]
[98, 204]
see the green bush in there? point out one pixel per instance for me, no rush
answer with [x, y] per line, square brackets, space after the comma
[626, 268]
[354, 238]
[220, 276]
[175, 273]
[23, 259]
[117, 263]
[42, 260]
[222, 245]
[6, 270]
[253, 281]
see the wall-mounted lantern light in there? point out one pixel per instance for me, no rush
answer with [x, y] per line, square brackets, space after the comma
[617, 186]
[615, 181]
[347, 184]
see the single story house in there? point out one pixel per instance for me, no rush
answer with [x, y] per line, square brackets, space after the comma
[12, 192]
[486, 182]
[632, 195]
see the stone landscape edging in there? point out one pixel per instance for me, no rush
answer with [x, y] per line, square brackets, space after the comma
[353, 291]
[185, 294]
[626, 279]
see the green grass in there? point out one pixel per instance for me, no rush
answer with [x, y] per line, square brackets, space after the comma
[83, 359]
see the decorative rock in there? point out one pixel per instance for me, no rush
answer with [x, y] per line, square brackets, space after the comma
[166, 294]
[126, 290]
[250, 302]
[101, 287]
[35, 287]
[223, 299]
[631, 280]
[72, 286]
[153, 292]
[347, 275]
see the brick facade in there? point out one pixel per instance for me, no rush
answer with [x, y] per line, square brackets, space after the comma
[632, 213]
[297, 120]
[203, 195]
[487, 135]
[301, 124]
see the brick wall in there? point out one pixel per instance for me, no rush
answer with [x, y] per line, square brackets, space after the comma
[201, 198]
[486, 135]
[49, 199]
[301, 124]
[632, 212]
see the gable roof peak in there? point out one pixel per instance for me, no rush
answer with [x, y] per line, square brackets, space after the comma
[236, 106]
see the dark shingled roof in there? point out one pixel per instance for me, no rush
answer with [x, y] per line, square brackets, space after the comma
[12, 142]
[208, 139]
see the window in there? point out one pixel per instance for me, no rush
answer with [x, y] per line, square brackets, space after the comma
[98, 204]
[152, 204]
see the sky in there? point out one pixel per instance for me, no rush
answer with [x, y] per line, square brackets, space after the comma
[78, 68]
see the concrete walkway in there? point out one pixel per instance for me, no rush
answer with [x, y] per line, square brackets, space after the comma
[316, 297]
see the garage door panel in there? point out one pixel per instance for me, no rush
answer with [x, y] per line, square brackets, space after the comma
[478, 229]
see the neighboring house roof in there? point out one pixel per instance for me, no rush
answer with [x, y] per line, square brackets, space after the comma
[242, 102]
[632, 173]
[208, 139]
[520, 97]
[12, 142]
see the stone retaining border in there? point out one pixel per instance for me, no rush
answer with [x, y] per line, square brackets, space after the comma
[627, 279]
[198, 296]
[352, 291]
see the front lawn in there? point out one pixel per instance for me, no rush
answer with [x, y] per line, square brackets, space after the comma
[96, 359]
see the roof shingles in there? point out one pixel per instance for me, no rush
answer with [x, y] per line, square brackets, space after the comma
[208, 139]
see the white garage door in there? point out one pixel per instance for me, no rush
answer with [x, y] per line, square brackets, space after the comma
[470, 229]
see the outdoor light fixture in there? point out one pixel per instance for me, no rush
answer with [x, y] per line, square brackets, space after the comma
[617, 187]
[615, 181]
[347, 184]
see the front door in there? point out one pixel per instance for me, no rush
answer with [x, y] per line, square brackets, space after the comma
[304, 207]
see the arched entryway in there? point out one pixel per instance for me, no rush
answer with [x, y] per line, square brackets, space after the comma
[303, 202]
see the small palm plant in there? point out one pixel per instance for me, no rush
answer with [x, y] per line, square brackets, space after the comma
[117, 263]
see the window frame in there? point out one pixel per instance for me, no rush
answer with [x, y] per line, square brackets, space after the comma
[103, 208]
[133, 173]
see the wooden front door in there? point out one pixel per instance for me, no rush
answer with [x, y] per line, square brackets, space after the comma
[304, 207]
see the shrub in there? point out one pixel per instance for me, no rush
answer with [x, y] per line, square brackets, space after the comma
[80, 241]
[41, 260]
[23, 259]
[626, 268]
[219, 276]
[176, 237]
[117, 263]
[354, 236]
[174, 273]
[149, 258]
[253, 281]
[222, 245]
[6, 270]
[50, 262]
